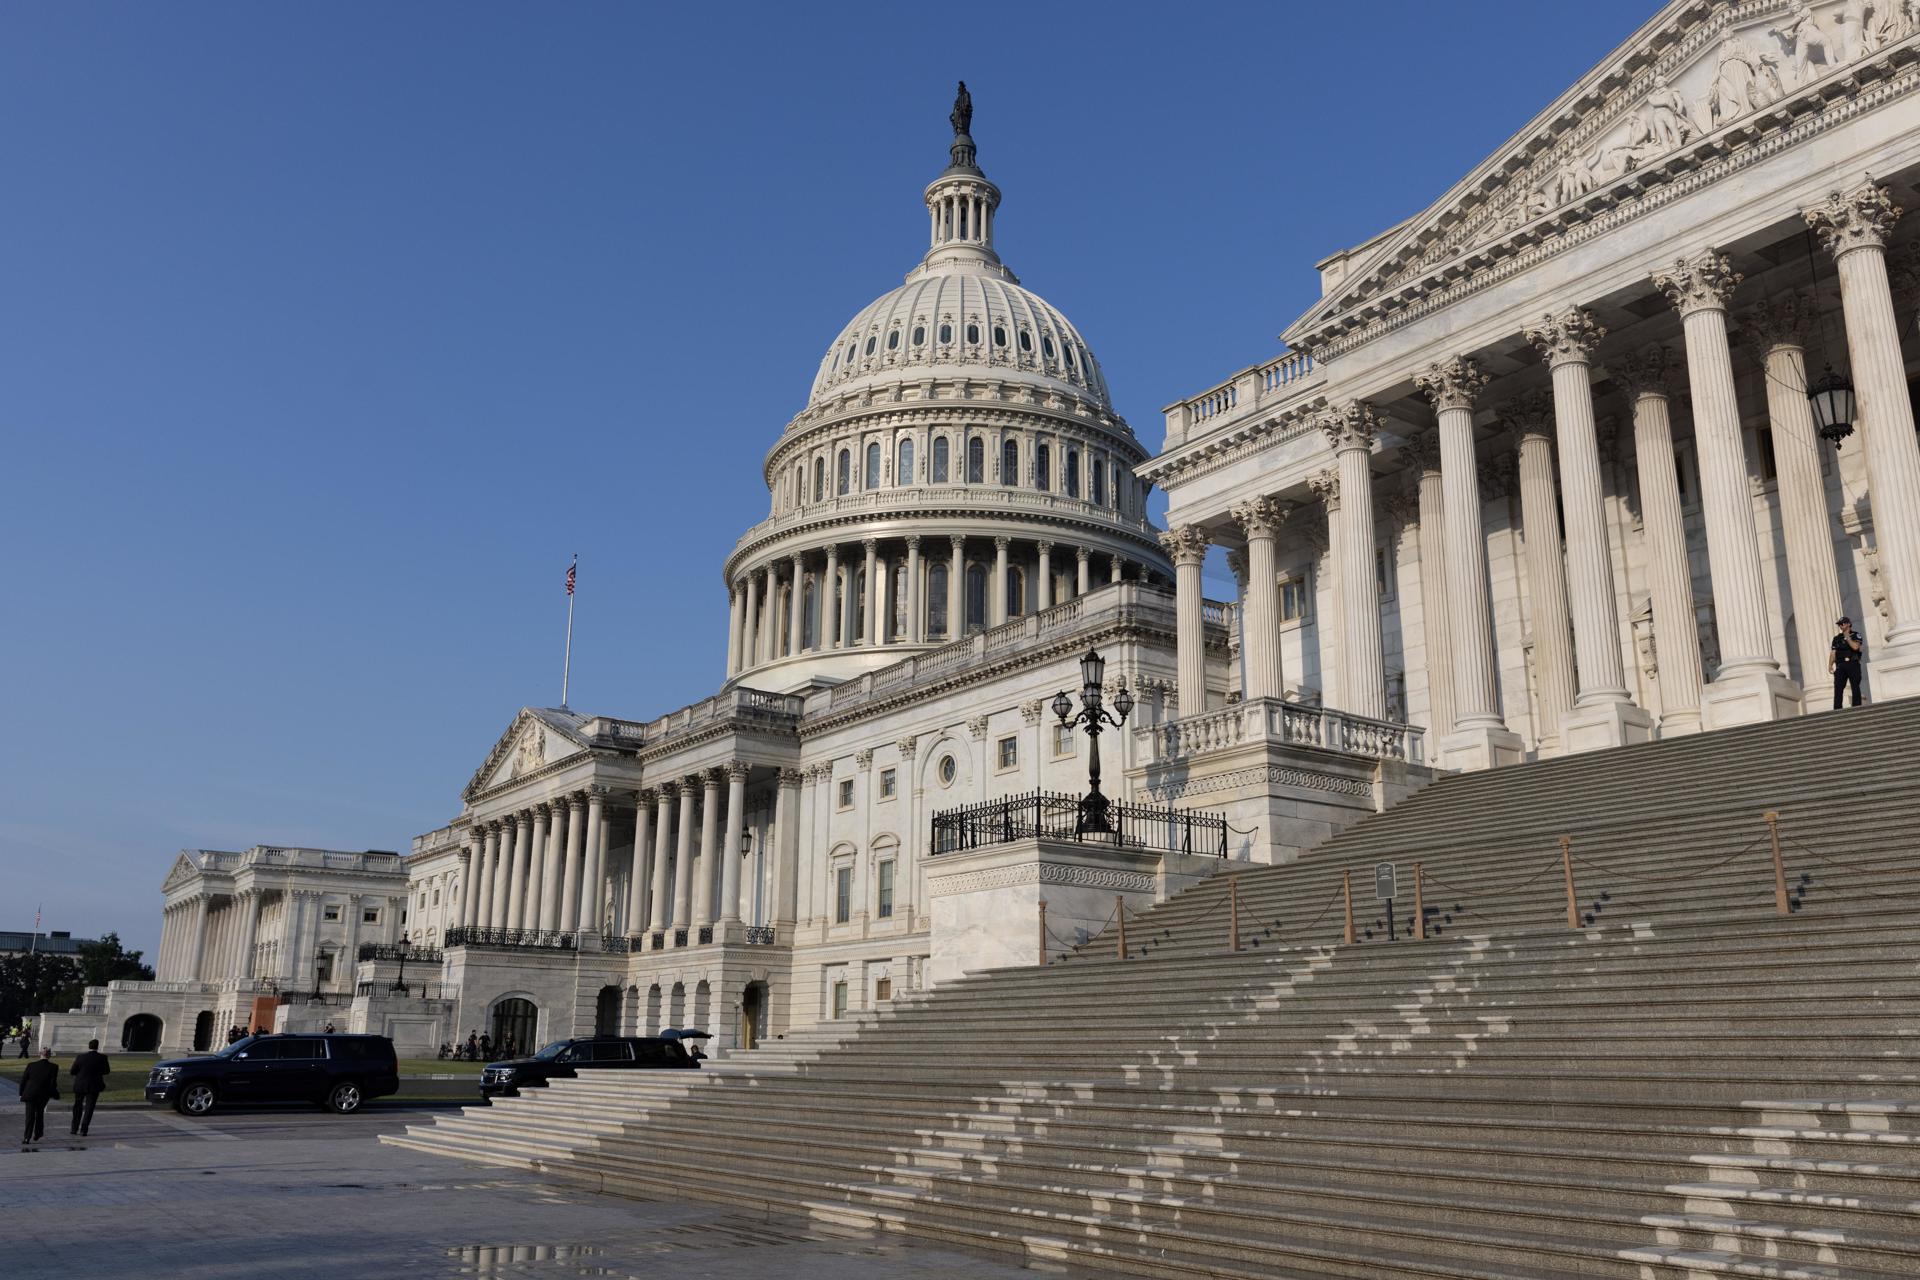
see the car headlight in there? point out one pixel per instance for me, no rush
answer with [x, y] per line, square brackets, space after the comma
[507, 1073]
[164, 1075]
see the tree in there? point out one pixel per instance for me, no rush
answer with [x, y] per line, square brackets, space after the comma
[35, 983]
[107, 961]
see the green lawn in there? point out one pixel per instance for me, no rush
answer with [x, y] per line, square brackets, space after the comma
[129, 1079]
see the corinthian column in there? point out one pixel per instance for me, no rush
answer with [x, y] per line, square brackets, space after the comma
[830, 601]
[509, 906]
[683, 857]
[573, 870]
[1603, 714]
[1676, 633]
[873, 590]
[1855, 227]
[1480, 738]
[1260, 521]
[796, 617]
[734, 614]
[1750, 685]
[637, 874]
[1531, 417]
[997, 607]
[658, 903]
[750, 624]
[916, 607]
[956, 587]
[1186, 546]
[1423, 455]
[709, 843]
[1350, 430]
[1044, 586]
[730, 853]
[538, 865]
[482, 914]
[588, 906]
[1778, 331]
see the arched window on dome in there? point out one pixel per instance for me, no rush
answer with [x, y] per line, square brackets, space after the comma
[873, 465]
[1073, 473]
[893, 340]
[976, 597]
[940, 451]
[843, 478]
[1099, 484]
[976, 461]
[919, 335]
[973, 335]
[1069, 350]
[937, 601]
[1046, 346]
[819, 479]
[871, 343]
[810, 616]
[1016, 591]
[946, 334]
[999, 336]
[1010, 462]
[1026, 340]
[1042, 467]
[903, 463]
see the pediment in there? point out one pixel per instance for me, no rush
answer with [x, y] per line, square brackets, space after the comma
[1696, 78]
[183, 871]
[535, 739]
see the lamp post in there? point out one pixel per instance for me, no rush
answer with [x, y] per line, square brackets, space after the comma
[400, 983]
[319, 962]
[1093, 807]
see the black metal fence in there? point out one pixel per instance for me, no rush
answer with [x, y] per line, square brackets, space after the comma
[618, 943]
[1055, 816]
[405, 991]
[533, 939]
[393, 951]
[760, 935]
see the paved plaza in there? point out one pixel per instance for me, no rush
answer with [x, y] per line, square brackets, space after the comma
[297, 1193]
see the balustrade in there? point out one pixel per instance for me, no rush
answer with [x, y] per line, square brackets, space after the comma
[1295, 724]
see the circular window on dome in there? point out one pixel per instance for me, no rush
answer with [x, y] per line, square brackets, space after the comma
[1026, 340]
[870, 345]
[948, 771]
[999, 336]
[893, 340]
[946, 333]
[973, 334]
[919, 335]
[1046, 347]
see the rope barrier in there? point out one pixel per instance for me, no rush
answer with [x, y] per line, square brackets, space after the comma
[1461, 906]
[1835, 862]
[1643, 878]
[1331, 899]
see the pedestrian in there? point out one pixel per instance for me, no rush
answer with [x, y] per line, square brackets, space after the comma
[39, 1085]
[329, 1028]
[89, 1072]
[486, 1046]
[1843, 663]
[26, 1035]
[473, 1046]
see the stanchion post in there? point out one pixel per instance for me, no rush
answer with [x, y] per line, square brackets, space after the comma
[1233, 912]
[1346, 891]
[1120, 914]
[1043, 931]
[1573, 899]
[1419, 908]
[1772, 819]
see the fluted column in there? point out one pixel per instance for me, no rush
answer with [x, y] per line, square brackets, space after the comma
[658, 905]
[1855, 227]
[250, 933]
[956, 589]
[916, 608]
[683, 856]
[730, 850]
[1260, 521]
[1423, 457]
[709, 847]
[1043, 589]
[637, 878]
[513, 904]
[1186, 546]
[1676, 631]
[830, 637]
[197, 938]
[786, 846]
[997, 601]
[1604, 714]
[587, 906]
[872, 547]
[1531, 418]
[796, 615]
[770, 615]
[1750, 685]
[482, 915]
[1350, 430]
[750, 623]
[1480, 738]
[574, 869]
[735, 616]
[541, 865]
[1779, 330]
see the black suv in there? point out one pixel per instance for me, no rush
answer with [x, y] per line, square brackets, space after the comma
[337, 1071]
[561, 1059]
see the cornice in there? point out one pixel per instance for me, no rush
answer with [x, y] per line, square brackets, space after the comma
[1233, 445]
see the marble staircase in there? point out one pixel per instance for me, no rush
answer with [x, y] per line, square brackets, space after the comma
[1686, 1085]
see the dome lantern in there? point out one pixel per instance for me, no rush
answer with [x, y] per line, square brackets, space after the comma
[961, 202]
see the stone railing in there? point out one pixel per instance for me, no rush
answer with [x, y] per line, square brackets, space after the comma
[1253, 387]
[1289, 723]
[915, 499]
[736, 702]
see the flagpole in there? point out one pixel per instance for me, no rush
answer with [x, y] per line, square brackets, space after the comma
[566, 664]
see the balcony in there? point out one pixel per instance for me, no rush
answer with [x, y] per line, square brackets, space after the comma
[1271, 721]
[1255, 392]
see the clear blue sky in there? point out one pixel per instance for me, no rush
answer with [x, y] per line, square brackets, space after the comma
[329, 332]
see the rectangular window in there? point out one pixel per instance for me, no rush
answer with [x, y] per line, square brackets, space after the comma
[329, 913]
[885, 904]
[423, 897]
[887, 784]
[840, 999]
[1296, 598]
[370, 916]
[1009, 752]
[1769, 469]
[843, 895]
[1063, 740]
[436, 897]
[883, 989]
[1383, 573]
[846, 793]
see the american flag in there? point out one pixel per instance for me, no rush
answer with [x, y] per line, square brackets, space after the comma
[573, 571]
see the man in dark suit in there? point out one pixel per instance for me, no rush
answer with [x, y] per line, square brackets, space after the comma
[89, 1072]
[39, 1085]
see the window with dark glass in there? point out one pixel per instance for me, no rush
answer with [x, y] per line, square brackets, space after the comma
[842, 913]
[1026, 340]
[940, 451]
[976, 461]
[883, 903]
[893, 340]
[973, 334]
[999, 336]
[870, 345]
[1099, 484]
[976, 596]
[1073, 473]
[809, 624]
[919, 334]
[1042, 466]
[1016, 592]
[819, 479]
[946, 333]
[843, 477]
[1046, 347]
[873, 465]
[1010, 463]
[903, 465]
[937, 600]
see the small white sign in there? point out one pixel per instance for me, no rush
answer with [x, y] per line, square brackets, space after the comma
[1386, 878]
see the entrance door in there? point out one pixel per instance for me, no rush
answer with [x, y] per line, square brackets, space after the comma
[203, 1031]
[606, 1012]
[141, 1034]
[515, 1022]
[753, 1014]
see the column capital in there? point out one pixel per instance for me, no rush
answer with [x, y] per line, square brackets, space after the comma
[1529, 414]
[1422, 452]
[1862, 218]
[600, 793]
[913, 542]
[863, 759]
[1044, 547]
[1779, 322]
[870, 544]
[576, 801]
[1031, 711]
[1325, 487]
[1001, 541]
[646, 797]
[1654, 372]
[908, 746]
[1261, 516]
[1350, 426]
[737, 770]
[1566, 337]
[1703, 282]
[1497, 476]
[713, 777]
[692, 783]
[1452, 384]
[1184, 545]
[1082, 554]
[1402, 509]
[977, 727]
[959, 541]
[1237, 563]
[791, 778]
[668, 792]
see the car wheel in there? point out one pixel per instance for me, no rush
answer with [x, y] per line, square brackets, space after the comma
[197, 1099]
[345, 1098]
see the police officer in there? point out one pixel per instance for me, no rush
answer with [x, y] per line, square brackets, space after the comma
[1843, 663]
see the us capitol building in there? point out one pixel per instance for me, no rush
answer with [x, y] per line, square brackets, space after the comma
[1592, 451]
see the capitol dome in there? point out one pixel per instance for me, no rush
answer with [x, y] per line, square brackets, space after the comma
[958, 466]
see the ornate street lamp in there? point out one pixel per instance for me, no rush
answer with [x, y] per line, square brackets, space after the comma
[1093, 808]
[400, 983]
[1833, 405]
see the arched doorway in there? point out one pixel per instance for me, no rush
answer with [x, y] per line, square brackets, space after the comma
[606, 1012]
[203, 1031]
[702, 1005]
[141, 1034]
[753, 1014]
[515, 1022]
[653, 1010]
[677, 1006]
